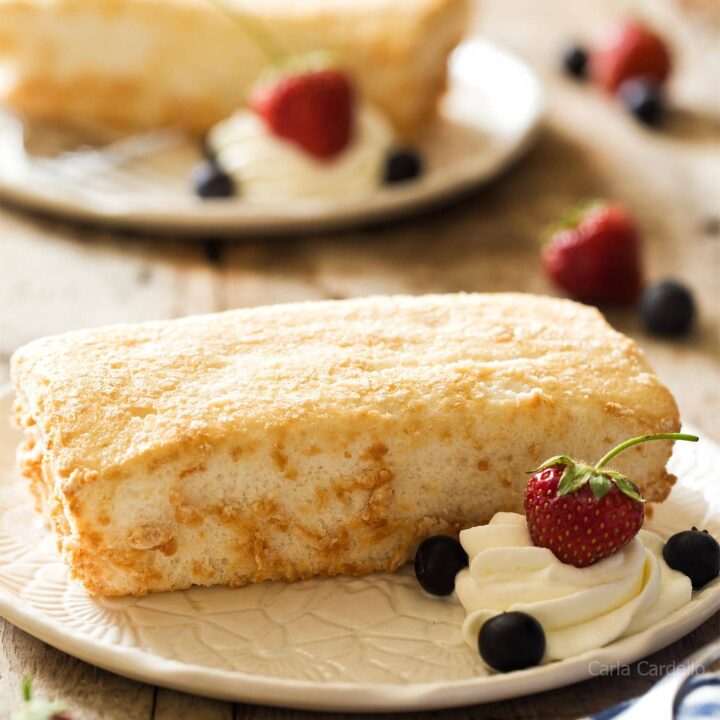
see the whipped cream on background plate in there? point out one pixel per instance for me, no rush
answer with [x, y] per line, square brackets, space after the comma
[268, 168]
[579, 609]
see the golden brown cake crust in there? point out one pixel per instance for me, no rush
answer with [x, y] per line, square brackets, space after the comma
[317, 438]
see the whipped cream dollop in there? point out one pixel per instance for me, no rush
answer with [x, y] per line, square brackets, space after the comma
[268, 168]
[579, 608]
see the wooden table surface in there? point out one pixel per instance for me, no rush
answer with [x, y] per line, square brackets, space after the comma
[55, 276]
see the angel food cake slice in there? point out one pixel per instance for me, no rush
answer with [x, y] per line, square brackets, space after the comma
[190, 63]
[317, 438]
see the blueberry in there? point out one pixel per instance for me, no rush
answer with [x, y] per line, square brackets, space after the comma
[644, 99]
[512, 641]
[437, 561]
[694, 553]
[575, 61]
[209, 180]
[667, 308]
[402, 165]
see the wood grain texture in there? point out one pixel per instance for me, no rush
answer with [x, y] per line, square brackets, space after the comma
[56, 276]
[171, 705]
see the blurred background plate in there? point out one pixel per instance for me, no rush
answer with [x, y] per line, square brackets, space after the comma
[374, 643]
[488, 119]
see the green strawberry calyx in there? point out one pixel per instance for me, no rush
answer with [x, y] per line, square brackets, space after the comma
[255, 29]
[281, 62]
[292, 65]
[600, 480]
[571, 218]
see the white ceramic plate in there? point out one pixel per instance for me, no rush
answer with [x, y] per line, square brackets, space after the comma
[488, 119]
[344, 644]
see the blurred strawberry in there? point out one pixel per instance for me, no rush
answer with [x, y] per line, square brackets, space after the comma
[312, 107]
[594, 254]
[629, 50]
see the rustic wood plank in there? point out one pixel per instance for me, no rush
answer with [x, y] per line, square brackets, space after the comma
[59, 277]
[171, 705]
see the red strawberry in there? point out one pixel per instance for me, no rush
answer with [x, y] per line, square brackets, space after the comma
[312, 108]
[629, 50]
[594, 254]
[585, 513]
[579, 528]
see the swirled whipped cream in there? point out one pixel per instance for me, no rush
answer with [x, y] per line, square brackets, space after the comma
[579, 608]
[267, 168]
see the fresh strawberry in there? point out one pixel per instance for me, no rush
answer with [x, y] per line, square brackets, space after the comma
[629, 50]
[310, 107]
[585, 513]
[579, 528]
[594, 254]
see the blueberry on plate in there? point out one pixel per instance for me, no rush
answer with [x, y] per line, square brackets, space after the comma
[575, 61]
[511, 641]
[437, 561]
[667, 308]
[209, 180]
[694, 553]
[401, 165]
[644, 99]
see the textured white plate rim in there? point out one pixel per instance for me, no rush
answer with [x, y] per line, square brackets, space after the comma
[365, 697]
[195, 217]
[348, 696]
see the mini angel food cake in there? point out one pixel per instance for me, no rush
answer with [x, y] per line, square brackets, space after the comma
[317, 438]
[190, 63]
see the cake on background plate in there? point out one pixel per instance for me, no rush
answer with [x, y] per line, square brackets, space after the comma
[317, 438]
[190, 63]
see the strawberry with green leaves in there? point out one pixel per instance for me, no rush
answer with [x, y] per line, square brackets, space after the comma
[584, 513]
